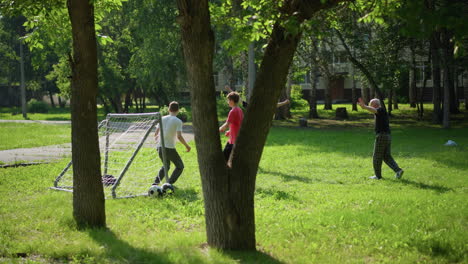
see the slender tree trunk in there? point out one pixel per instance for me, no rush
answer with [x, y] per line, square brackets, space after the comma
[448, 69]
[128, 100]
[104, 104]
[328, 100]
[447, 78]
[51, 96]
[395, 98]
[61, 104]
[354, 95]
[412, 77]
[313, 95]
[421, 98]
[465, 93]
[436, 94]
[390, 101]
[88, 193]
[365, 92]
[373, 84]
[229, 193]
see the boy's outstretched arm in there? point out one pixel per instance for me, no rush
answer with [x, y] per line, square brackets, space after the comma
[182, 140]
[224, 126]
[366, 107]
[280, 104]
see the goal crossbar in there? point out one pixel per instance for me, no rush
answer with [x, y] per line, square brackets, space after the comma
[125, 135]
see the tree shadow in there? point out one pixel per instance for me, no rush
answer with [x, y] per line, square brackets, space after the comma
[189, 195]
[276, 194]
[420, 185]
[438, 248]
[247, 257]
[286, 177]
[118, 250]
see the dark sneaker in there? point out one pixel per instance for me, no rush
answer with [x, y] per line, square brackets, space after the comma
[399, 174]
[374, 178]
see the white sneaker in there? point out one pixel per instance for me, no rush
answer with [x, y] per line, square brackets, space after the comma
[374, 178]
[399, 174]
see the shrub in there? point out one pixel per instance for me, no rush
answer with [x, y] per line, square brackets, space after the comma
[183, 114]
[35, 106]
[222, 107]
[296, 98]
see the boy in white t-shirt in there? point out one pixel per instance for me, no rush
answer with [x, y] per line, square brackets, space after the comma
[172, 128]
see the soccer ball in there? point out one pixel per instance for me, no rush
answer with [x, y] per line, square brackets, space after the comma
[167, 188]
[108, 180]
[155, 191]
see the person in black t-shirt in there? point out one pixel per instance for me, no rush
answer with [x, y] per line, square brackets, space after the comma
[383, 139]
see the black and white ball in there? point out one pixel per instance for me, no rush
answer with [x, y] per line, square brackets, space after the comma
[155, 191]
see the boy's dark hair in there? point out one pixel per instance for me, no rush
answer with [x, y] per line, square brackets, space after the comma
[173, 106]
[233, 96]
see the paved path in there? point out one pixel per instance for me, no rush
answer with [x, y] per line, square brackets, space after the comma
[48, 153]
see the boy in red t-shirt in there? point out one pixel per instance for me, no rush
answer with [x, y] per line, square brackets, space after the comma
[234, 122]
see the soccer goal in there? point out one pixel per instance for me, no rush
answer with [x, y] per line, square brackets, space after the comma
[129, 158]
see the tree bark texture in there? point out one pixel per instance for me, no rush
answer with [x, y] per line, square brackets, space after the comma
[354, 95]
[229, 192]
[412, 78]
[436, 91]
[313, 94]
[88, 193]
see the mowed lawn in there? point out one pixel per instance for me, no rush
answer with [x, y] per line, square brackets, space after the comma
[29, 135]
[314, 204]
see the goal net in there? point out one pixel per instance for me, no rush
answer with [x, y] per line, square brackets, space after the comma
[129, 158]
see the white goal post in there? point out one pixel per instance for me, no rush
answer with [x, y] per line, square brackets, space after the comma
[129, 159]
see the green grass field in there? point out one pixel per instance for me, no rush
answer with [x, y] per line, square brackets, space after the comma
[28, 135]
[314, 204]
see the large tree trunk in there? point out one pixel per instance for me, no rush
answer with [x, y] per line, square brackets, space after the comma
[88, 193]
[221, 216]
[229, 193]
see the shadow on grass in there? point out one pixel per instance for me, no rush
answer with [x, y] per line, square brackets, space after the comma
[190, 195]
[246, 257]
[420, 185]
[58, 119]
[285, 177]
[437, 248]
[118, 250]
[276, 194]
